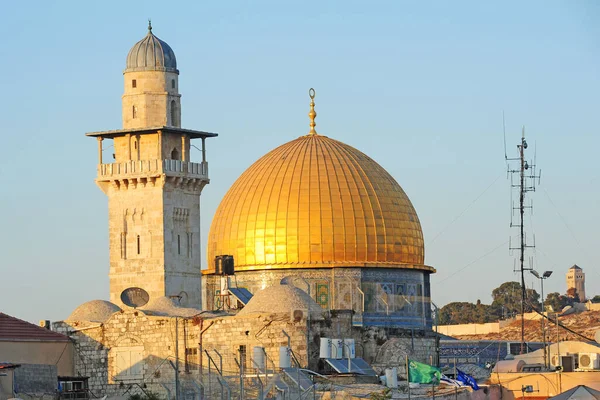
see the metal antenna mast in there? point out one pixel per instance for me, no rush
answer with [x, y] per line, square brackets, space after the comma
[526, 182]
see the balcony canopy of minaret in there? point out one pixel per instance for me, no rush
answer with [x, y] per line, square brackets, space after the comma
[152, 147]
[152, 156]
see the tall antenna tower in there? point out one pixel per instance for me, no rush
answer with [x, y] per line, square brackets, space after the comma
[522, 180]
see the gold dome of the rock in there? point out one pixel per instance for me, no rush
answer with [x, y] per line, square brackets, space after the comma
[316, 202]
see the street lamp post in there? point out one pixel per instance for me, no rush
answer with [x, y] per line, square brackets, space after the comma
[546, 275]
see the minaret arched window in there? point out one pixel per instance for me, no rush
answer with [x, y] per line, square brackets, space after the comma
[134, 112]
[173, 113]
[123, 245]
[174, 155]
[139, 247]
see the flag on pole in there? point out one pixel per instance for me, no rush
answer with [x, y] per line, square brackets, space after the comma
[466, 379]
[450, 381]
[423, 373]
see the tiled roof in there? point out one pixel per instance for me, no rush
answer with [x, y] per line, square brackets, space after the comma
[12, 328]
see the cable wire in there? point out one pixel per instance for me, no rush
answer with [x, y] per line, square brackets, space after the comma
[474, 261]
[464, 211]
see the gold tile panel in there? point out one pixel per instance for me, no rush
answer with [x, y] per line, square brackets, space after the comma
[315, 202]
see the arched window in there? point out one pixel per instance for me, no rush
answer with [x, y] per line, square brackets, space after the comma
[123, 245]
[138, 244]
[174, 155]
[172, 83]
[173, 113]
[134, 111]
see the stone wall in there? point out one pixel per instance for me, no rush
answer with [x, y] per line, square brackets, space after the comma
[132, 348]
[492, 392]
[592, 306]
[494, 327]
[35, 379]
[469, 329]
[154, 238]
[134, 212]
[379, 346]
[151, 96]
[149, 342]
[233, 336]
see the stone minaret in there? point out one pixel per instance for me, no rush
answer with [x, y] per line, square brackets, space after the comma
[576, 279]
[153, 188]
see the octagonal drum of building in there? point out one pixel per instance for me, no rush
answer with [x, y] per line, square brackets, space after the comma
[333, 222]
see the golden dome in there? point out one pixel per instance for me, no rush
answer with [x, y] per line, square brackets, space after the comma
[315, 202]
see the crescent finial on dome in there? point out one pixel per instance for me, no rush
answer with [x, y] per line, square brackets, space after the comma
[312, 114]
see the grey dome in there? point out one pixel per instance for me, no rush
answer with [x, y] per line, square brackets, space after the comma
[281, 298]
[164, 306]
[151, 54]
[94, 311]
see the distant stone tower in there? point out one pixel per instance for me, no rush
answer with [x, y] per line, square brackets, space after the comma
[576, 279]
[152, 186]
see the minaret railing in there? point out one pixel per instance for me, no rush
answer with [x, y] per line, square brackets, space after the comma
[140, 167]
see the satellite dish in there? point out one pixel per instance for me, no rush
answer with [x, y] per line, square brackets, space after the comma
[134, 297]
[597, 336]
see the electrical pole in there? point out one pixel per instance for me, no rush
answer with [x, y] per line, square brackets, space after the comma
[525, 183]
[176, 359]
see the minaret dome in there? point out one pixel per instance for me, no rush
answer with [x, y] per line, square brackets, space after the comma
[151, 54]
[151, 94]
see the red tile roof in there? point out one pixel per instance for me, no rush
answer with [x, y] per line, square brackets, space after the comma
[12, 328]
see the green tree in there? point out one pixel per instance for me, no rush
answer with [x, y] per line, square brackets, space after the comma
[558, 301]
[457, 313]
[596, 299]
[466, 313]
[508, 297]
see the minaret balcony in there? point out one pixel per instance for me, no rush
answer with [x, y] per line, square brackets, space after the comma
[152, 168]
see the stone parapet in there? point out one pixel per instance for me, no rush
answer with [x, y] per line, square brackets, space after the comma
[132, 169]
[35, 379]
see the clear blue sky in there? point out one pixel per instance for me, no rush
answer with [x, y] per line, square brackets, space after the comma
[418, 86]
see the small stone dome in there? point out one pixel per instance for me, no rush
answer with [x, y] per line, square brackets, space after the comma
[282, 298]
[94, 311]
[166, 307]
[151, 54]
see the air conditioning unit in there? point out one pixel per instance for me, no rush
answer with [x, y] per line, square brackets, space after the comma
[568, 362]
[589, 361]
